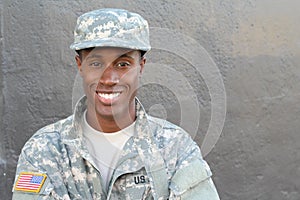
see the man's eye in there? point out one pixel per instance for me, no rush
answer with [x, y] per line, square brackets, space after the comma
[95, 64]
[123, 64]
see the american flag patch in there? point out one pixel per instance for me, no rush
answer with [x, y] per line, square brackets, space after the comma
[30, 182]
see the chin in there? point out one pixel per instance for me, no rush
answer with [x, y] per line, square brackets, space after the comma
[108, 112]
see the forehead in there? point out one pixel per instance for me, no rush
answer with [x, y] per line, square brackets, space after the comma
[109, 52]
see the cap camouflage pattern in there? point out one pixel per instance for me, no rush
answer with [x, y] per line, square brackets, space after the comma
[111, 28]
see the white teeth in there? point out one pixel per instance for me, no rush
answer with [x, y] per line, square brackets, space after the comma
[109, 96]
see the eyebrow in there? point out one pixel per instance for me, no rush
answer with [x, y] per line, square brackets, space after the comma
[93, 56]
[125, 56]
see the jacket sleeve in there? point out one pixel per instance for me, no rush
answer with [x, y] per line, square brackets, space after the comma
[192, 178]
[25, 165]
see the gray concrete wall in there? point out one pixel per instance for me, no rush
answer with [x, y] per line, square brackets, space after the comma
[254, 44]
[2, 149]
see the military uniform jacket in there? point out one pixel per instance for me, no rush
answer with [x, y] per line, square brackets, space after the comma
[160, 161]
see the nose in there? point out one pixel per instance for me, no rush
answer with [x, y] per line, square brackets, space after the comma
[109, 77]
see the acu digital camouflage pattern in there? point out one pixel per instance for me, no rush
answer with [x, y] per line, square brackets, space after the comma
[160, 161]
[111, 28]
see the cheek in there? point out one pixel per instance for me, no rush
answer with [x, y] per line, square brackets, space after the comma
[131, 77]
[90, 80]
[89, 75]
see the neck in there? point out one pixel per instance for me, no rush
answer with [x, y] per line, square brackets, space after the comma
[110, 124]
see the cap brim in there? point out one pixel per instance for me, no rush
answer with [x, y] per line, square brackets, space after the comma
[110, 43]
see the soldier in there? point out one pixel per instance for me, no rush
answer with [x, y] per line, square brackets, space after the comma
[110, 148]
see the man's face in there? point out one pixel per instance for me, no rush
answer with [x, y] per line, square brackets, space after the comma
[110, 80]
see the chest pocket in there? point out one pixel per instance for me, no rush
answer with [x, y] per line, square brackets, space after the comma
[137, 186]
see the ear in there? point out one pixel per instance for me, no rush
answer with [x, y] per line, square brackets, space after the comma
[79, 63]
[142, 64]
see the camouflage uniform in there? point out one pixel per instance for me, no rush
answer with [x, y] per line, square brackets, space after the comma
[160, 161]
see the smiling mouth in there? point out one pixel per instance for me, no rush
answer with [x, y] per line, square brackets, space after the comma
[108, 96]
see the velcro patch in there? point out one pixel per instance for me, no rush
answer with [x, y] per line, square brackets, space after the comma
[30, 182]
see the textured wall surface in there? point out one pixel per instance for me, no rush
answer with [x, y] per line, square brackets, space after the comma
[255, 45]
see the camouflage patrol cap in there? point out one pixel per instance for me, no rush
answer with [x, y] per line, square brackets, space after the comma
[111, 28]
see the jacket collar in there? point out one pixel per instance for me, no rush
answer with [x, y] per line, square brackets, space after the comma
[73, 134]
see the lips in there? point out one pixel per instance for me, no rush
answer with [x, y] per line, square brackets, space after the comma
[108, 97]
